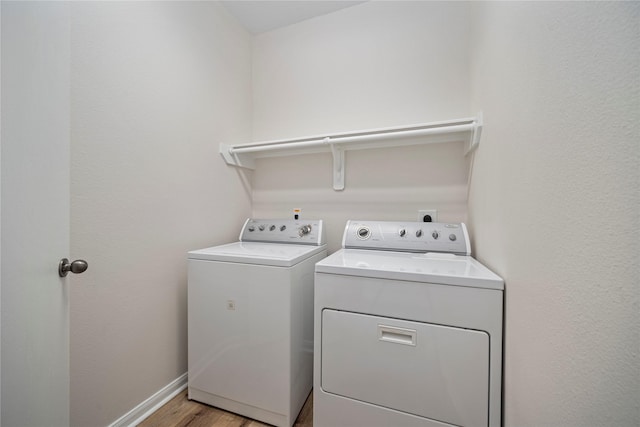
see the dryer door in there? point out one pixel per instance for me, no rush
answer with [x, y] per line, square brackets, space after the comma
[437, 372]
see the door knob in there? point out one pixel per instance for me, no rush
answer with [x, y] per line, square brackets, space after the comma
[78, 266]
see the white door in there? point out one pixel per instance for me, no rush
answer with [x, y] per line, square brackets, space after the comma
[35, 213]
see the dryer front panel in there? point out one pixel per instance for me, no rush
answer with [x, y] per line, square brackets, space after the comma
[437, 372]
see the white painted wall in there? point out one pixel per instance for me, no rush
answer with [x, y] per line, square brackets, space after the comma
[554, 204]
[155, 87]
[373, 65]
[0, 211]
[554, 193]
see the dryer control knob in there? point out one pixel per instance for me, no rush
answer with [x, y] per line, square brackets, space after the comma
[452, 237]
[273, 227]
[419, 233]
[363, 233]
[402, 232]
[435, 235]
[283, 227]
[251, 228]
[261, 227]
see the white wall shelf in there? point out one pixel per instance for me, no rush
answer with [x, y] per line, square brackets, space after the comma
[467, 130]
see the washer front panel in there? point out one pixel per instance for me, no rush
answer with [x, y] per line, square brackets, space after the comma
[239, 329]
[251, 337]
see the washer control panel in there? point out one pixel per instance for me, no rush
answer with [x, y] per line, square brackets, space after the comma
[407, 236]
[308, 232]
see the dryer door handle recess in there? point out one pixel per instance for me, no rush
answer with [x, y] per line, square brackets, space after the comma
[397, 335]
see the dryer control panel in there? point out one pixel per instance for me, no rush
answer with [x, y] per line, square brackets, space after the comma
[417, 237]
[307, 232]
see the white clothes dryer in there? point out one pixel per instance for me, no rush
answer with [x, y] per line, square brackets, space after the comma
[408, 330]
[250, 320]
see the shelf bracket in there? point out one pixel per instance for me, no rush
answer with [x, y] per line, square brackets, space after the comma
[474, 139]
[338, 164]
[236, 159]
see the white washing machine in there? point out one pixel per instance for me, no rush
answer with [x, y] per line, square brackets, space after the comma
[251, 320]
[408, 330]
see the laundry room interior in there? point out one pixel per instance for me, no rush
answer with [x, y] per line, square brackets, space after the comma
[550, 195]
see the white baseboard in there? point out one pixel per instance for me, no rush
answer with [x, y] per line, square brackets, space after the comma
[152, 404]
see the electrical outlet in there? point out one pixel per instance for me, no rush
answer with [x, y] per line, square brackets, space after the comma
[425, 214]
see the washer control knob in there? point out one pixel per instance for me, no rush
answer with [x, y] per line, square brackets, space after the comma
[251, 228]
[419, 233]
[261, 227]
[452, 237]
[283, 227]
[273, 227]
[435, 235]
[402, 232]
[304, 230]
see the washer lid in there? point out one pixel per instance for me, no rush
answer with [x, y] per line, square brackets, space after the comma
[274, 254]
[446, 269]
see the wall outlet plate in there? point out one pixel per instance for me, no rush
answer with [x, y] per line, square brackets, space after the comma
[422, 213]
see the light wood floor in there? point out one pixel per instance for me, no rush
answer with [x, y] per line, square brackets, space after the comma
[182, 412]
